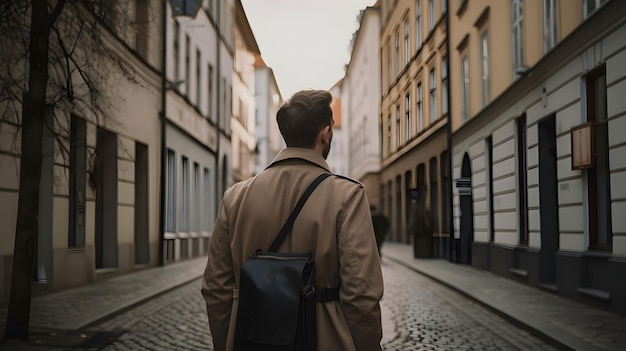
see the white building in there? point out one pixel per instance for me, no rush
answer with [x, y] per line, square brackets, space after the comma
[268, 100]
[361, 105]
[197, 137]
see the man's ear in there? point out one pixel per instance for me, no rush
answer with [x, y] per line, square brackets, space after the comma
[325, 134]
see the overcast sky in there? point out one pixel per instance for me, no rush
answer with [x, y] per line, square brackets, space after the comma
[305, 42]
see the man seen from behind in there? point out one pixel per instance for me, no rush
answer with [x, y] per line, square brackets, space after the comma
[335, 226]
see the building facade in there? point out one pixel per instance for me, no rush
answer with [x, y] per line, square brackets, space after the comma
[339, 146]
[243, 100]
[197, 95]
[268, 100]
[414, 117]
[361, 105]
[538, 149]
[98, 212]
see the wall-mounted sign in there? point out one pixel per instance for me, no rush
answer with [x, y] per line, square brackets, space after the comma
[464, 185]
[185, 7]
[583, 146]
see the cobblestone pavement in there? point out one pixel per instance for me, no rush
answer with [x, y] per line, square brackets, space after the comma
[421, 314]
[418, 314]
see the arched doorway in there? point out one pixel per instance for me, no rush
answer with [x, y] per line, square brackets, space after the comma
[467, 211]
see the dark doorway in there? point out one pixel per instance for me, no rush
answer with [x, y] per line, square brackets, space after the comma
[142, 248]
[105, 178]
[467, 213]
[548, 200]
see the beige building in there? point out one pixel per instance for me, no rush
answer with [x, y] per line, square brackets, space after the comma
[538, 144]
[98, 212]
[414, 117]
[243, 141]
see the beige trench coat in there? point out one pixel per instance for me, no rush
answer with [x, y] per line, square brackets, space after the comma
[335, 224]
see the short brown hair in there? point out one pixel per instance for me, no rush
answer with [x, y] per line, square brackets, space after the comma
[302, 117]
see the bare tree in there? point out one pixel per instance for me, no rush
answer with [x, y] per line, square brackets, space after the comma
[51, 55]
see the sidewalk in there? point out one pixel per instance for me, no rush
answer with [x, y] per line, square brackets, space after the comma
[563, 322]
[76, 309]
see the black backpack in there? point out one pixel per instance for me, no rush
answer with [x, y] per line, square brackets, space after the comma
[277, 295]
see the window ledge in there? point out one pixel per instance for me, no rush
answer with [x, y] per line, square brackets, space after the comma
[595, 293]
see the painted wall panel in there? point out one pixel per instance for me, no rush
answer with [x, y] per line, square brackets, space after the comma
[506, 238]
[504, 168]
[506, 184]
[617, 156]
[619, 245]
[505, 220]
[615, 68]
[125, 224]
[504, 150]
[571, 218]
[616, 104]
[125, 193]
[619, 217]
[570, 192]
[505, 201]
[564, 169]
[572, 242]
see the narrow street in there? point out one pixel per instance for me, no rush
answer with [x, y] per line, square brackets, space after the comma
[418, 314]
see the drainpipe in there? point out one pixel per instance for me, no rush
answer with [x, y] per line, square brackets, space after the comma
[163, 134]
[449, 140]
[219, 98]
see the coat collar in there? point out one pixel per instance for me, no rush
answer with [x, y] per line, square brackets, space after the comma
[294, 153]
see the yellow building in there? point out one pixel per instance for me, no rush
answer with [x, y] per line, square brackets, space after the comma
[414, 115]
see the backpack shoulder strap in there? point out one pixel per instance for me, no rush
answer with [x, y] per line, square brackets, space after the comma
[292, 217]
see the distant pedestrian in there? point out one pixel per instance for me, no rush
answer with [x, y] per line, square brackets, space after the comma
[333, 226]
[381, 227]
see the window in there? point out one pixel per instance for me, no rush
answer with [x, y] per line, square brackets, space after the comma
[590, 6]
[445, 196]
[419, 107]
[465, 89]
[549, 24]
[418, 24]
[433, 96]
[184, 199]
[176, 51]
[389, 134]
[141, 35]
[407, 116]
[170, 193]
[397, 61]
[198, 76]
[489, 184]
[444, 6]
[431, 14]
[210, 91]
[78, 167]
[522, 196]
[517, 20]
[389, 68]
[206, 192]
[196, 198]
[407, 52]
[444, 85]
[484, 68]
[598, 177]
[187, 65]
[434, 194]
[398, 126]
